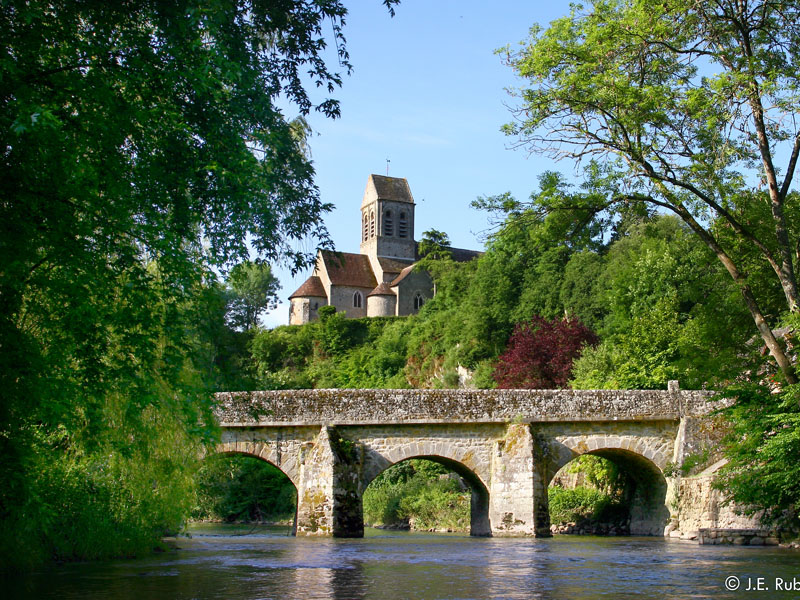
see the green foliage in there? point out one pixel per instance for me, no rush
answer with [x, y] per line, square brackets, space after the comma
[694, 461]
[673, 314]
[418, 491]
[436, 257]
[577, 504]
[437, 506]
[117, 496]
[243, 488]
[434, 244]
[663, 308]
[143, 151]
[682, 106]
[763, 472]
[253, 289]
[600, 473]
[332, 352]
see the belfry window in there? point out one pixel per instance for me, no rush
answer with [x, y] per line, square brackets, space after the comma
[358, 300]
[388, 224]
[366, 227]
[372, 224]
[419, 300]
[402, 228]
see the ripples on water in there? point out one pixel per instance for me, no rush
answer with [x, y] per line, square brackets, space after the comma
[225, 563]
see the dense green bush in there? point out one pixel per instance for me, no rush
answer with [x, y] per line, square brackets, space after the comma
[576, 504]
[117, 499]
[420, 492]
[661, 305]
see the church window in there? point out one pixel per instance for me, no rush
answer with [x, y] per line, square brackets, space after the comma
[357, 300]
[372, 224]
[366, 227]
[419, 300]
[402, 228]
[388, 224]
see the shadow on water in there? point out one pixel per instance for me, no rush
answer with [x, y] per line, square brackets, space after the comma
[219, 562]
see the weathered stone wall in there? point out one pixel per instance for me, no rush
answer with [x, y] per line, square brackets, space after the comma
[518, 500]
[344, 407]
[395, 246]
[305, 310]
[699, 506]
[652, 440]
[465, 450]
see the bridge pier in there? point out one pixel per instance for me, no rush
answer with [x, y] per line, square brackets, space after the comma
[328, 499]
[518, 497]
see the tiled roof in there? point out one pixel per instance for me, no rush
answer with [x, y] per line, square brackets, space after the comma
[383, 289]
[312, 288]
[458, 254]
[462, 255]
[346, 268]
[392, 188]
[403, 274]
[392, 265]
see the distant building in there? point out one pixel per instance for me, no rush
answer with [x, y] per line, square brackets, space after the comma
[382, 280]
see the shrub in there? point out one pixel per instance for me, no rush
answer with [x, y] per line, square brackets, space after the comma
[540, 353]
[573, 505]
[417, 491]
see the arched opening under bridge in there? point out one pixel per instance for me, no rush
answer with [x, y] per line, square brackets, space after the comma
[427, 493]
[238, 487]
[610, 491]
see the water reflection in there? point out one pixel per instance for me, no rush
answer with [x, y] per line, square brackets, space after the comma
[267, 564]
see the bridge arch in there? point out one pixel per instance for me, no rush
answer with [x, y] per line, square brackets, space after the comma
[642, 460]
[264, 451]
[454, 456]
[260, 452]
[479, 494]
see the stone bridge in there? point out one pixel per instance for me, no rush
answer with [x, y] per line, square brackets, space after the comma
[507, 444]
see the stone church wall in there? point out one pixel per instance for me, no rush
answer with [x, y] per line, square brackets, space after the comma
[305, 310]
[381, 306]
[342, 299]
[416, 281]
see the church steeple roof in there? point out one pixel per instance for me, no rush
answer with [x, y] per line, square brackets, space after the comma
[380, 187]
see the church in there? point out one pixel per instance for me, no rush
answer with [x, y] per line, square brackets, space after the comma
[382, 279]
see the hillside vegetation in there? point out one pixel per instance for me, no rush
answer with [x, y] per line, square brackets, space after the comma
[647, 299]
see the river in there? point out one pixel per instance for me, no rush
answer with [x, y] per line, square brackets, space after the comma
[243, 563]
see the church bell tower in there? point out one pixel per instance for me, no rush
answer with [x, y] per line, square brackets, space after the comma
[387, 219]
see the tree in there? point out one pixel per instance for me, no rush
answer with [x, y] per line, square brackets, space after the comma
[762, 446]
[435, 254]
[540, 353]
[434, 243]
[683, 105]
[141, 145]
[672, 313]
[253, 290]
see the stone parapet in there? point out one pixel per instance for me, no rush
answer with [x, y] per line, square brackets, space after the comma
[359, 407]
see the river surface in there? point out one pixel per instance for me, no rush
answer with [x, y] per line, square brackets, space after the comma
[242, 563]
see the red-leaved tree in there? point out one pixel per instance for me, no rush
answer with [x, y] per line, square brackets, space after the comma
[540, 353]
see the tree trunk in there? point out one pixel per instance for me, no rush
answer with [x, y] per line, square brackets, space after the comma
[764, 330]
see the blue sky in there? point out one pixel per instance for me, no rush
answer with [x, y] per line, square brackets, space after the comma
[427, 92]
